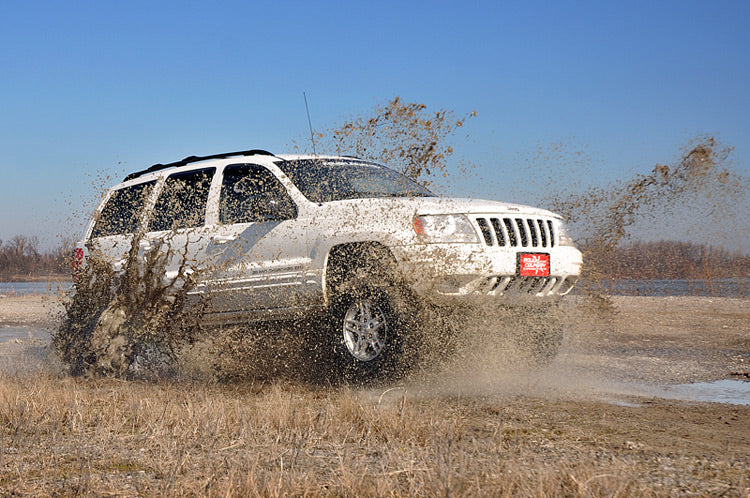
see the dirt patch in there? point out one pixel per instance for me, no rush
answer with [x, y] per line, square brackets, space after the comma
[666, 339]
[30, 310]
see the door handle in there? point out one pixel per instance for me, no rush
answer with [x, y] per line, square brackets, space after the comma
[223, 239]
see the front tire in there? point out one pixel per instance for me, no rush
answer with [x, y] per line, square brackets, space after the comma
[367, 327]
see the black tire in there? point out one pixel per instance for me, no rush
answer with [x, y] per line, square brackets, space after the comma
[367, 327]
[538, 336]
[542, 345]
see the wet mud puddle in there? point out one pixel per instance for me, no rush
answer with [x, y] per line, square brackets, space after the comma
[726, 391]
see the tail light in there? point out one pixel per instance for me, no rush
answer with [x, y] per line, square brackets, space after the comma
[77, 261]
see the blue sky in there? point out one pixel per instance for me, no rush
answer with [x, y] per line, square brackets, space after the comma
[90, 89]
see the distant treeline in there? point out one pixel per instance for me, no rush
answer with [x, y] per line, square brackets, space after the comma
[21, 258]
[668, 259]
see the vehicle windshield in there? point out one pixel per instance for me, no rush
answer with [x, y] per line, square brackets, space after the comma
[325, 180]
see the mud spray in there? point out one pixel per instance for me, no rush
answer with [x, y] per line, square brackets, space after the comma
[133, 323]
[129, 323]
[601, 219]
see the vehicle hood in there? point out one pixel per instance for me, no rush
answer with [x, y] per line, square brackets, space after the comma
[440, 205]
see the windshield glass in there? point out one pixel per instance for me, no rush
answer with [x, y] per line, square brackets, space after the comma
[325, 180]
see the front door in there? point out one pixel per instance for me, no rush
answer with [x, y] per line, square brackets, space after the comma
[258, 253]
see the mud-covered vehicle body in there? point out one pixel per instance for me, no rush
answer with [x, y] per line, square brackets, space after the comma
[277, 237]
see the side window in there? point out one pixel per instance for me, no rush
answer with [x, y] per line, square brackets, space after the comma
[182, 201]
[123, 209]
[251, 193]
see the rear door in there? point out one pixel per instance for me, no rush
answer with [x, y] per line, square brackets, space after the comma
[177, 225]
[259, 250]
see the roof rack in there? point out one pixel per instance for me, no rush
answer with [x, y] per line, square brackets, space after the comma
[194, 159]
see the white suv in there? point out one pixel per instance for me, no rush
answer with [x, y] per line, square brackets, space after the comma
[275, 237]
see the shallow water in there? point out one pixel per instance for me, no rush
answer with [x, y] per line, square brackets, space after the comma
[25, 288]
[15, 333]
[730, 391]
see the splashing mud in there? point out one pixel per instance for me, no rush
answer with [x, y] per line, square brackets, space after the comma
[136, 323]
[602, 218]
[119, 322]
[406, 136]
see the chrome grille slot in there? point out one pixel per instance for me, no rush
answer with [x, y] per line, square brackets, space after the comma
[485, 228]
[522, 232]
[542, 232]
[551, 234]
[511, 232]
[532, 231]
[498, 231]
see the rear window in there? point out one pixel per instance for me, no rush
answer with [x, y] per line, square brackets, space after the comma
[121, 214]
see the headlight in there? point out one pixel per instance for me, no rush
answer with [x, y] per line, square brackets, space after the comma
[563, 237]
[445, 228]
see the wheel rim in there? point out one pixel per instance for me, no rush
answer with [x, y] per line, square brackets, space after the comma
[365, 330]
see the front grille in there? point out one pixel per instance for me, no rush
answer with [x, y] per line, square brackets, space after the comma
[517, 232]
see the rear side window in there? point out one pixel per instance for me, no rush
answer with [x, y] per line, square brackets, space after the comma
[182, 201]
[122, 211]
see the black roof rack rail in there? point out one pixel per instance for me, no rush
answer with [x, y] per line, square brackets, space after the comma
[195, 159]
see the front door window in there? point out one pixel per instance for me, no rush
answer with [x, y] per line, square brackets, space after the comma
[251, 193]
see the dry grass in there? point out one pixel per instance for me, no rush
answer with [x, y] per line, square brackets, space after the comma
[65, 436]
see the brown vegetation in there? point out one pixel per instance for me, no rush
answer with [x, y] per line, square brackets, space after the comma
[21, 259]
[107, 437]
[668, 259]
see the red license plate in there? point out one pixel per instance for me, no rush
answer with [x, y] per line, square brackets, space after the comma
[533, 264]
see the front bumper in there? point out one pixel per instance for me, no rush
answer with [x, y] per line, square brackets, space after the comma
[473, 272]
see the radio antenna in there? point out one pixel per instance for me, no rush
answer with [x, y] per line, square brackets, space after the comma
[309, 123]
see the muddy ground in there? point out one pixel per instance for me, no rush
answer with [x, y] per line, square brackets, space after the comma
[599, 402]
[630, 348]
